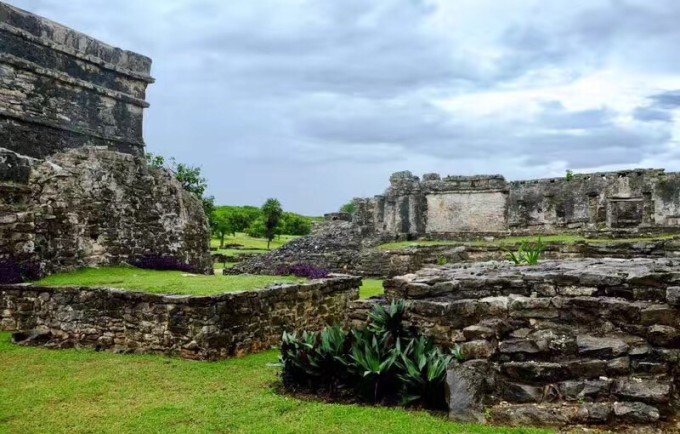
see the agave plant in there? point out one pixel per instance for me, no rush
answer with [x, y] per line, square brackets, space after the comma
[423, 372]
[533, 251]
[373, 361]
[316, 359]
[388, 320]
[528, 253]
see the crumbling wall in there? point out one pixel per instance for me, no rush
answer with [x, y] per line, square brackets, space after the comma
[206, 328]
[61, 89]
[75, 189]
[590, 341]
[433, 206]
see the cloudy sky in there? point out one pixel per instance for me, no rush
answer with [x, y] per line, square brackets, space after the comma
[315, 102]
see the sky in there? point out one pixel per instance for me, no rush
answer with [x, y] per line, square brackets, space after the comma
[315, 102]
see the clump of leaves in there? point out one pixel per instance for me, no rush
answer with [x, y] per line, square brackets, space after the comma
[382, 363]
[441, 260]
[12, 271]
[570, 175]
[302, 270]
[528, 253]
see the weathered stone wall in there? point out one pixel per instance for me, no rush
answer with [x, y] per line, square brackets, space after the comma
[591, 341]
[61, 89]
[207, 328]
[74, 187]
[434, 206]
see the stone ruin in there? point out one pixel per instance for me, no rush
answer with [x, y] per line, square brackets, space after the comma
[75, 189]
[574, 342]
[454, 205]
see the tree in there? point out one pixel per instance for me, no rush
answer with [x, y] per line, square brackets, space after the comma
[223, 224]
[295, 224]
[350, 207]
[190, 178]
[271, 214]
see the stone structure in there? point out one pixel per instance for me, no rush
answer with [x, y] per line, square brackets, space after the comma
[75, 189]
[334, 245]
[589, 341]
[206, 328]
[455, 205]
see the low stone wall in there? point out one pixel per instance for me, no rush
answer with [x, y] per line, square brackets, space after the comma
[206, 328]
[587, 341]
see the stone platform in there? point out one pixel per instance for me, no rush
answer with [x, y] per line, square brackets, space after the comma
[586, 341]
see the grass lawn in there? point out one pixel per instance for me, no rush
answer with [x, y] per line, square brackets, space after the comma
[82, 391]
[251, 244]
[371, 288]
[163, 282]
[549, 239]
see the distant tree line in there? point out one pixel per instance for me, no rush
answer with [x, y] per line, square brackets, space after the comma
[265, 222]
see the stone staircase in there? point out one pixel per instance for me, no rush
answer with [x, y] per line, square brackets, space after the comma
[584, 342]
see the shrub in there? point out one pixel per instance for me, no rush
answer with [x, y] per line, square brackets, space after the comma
[13, 272]
[302, 270]
[380, 363]
[528, 253]
[163, 263]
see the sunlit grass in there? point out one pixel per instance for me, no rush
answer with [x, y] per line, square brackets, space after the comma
[76, 391]
[371, 288]
[162, 282]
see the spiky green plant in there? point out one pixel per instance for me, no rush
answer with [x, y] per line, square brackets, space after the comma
[423, 373]
[384, 320]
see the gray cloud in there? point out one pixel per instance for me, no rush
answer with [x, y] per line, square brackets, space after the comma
[323, 99]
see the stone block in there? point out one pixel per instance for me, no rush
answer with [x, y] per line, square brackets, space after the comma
[466, 388]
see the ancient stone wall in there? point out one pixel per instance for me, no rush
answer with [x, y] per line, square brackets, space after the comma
[206, 328]
[75, 189]
[590, 341]
[488, 204]
[61, 89]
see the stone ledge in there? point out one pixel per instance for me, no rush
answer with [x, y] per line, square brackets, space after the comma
[65, 78]
[124, 56]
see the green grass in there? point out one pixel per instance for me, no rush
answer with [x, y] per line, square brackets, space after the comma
[371, 288]
[250, 245]
[78, 391]
[548, 239]
[254, 243]
[162, 282]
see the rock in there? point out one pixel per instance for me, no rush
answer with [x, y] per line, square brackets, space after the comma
[662, 335]
[673, 295]
[476, 332]
[535, 371]
[659, 314]
[600, 347]
[645, 390]
[521, 393]
[466, 387]
[635, 412]
[512, 346]
[529, 415]
[618, 366]
[479, 349]
[586, 369]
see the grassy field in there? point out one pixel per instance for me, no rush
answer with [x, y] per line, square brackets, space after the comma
[250, 244]
[371, 288]
[162, 282]
[548, 239]
[77, 391]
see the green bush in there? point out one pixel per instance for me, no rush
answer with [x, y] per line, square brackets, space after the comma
[528, 253]
[383, 363]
